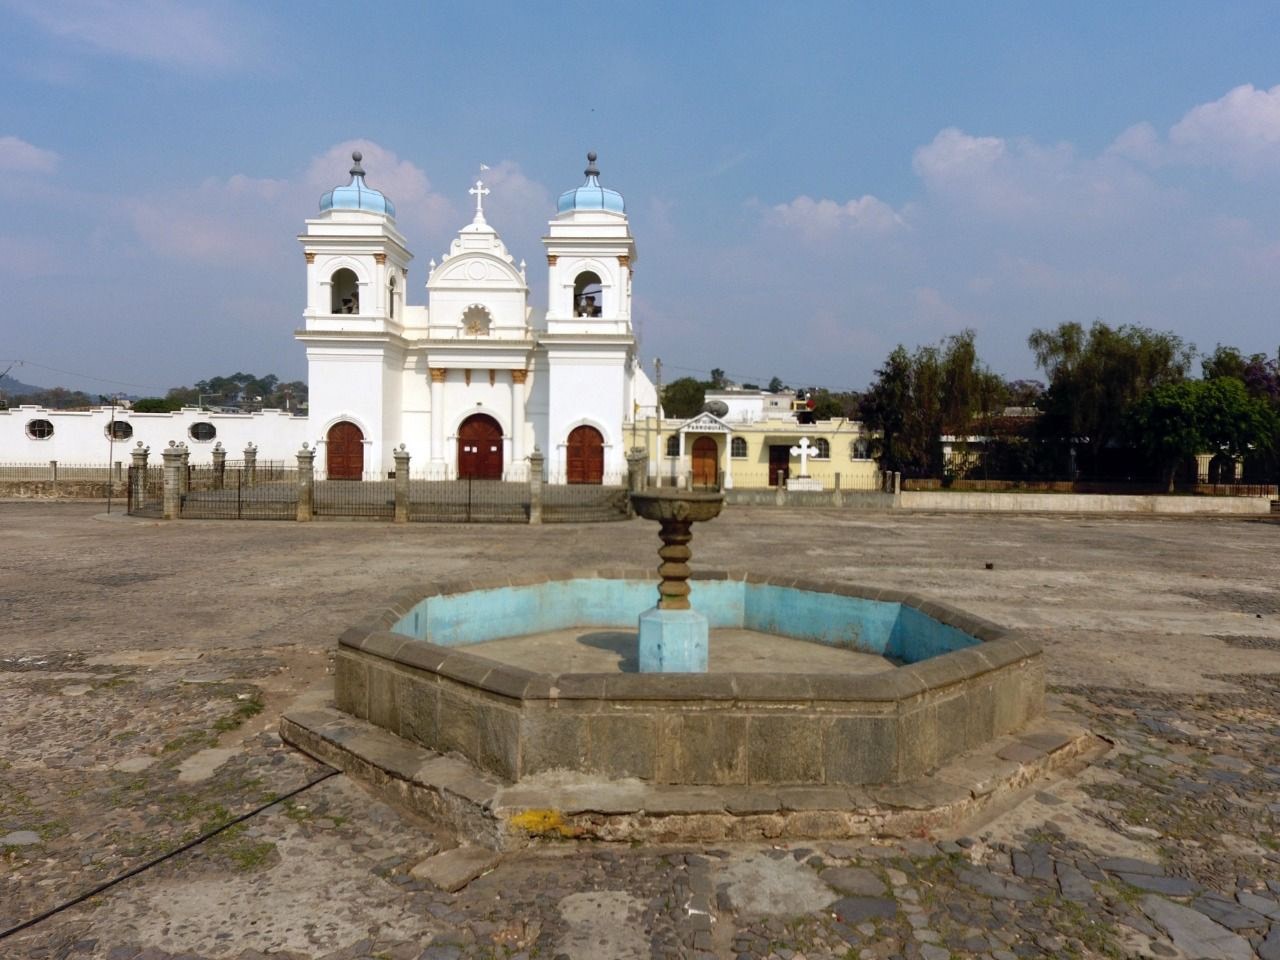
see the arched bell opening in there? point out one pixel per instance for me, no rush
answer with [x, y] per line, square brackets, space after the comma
[588, 295]
[344, 289]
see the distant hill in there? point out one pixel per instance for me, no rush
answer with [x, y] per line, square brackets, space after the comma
[16, 388]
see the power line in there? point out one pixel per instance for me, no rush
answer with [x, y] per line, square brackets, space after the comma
[82, 376]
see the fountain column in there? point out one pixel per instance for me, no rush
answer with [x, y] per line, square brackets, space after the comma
[673, 636]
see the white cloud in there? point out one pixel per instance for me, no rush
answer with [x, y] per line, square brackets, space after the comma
[1239, 132]
[18, 156]
[819, 219]
[154, 31]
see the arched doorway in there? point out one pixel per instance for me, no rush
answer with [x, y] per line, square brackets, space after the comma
[705, 462]
[480, 448]
[584, 456]
[344, 452]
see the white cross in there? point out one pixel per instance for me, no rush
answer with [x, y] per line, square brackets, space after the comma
[804, 452]
[479, 191]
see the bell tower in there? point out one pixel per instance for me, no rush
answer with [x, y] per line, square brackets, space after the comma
[356, 260]
[590, 258]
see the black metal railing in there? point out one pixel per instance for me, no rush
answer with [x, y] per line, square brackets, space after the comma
[469, 500]
[145, 492]
[375, 499]
[236, 492]
[583, 503]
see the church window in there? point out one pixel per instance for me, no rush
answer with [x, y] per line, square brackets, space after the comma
[39, 429]
[202, 431]
[738, 448]
[822, 449]
[476, 321]
[391, 297]
[587, 295]
[673, 445]
[119, 430]
[344, 292]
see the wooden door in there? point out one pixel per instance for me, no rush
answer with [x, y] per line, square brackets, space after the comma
[779, 462]
[705, 462]
[344, 453]
[584, 456]
[480, 448]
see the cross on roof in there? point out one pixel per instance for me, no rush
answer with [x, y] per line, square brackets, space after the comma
[479, 191]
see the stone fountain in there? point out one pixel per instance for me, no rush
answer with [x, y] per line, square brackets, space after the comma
[673, 636]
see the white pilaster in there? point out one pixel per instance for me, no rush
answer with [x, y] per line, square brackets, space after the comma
[437, 415]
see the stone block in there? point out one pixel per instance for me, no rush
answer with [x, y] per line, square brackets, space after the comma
[981, 713]
[384, 711]
[419, 705]
[498, 736]
[917, 741]
[553, 740]
[466, 668]
[784, 749]
[351, 685]
[458, 721]
[861, 750]
[750, 801]
[703, 748]
[580, 686]
[454, 869]
[951, 721]
[422, 655]
[770, 687]
[508, 681]
[623, 745]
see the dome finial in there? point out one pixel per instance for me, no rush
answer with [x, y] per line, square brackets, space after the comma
[356, 170]
[592, 170]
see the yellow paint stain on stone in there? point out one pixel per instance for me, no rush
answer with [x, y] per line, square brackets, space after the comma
[543, 823]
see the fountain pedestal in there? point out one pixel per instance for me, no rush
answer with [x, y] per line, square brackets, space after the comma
[673, 636]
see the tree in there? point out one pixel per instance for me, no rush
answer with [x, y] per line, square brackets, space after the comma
[1259, 374]
[776, 385]
[683, 398]
[718, 380]
[155, 405]
[917, 398]
[1175, 421]
[1096, 377]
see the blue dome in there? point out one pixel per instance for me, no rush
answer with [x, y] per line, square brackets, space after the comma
[592, 196]
[357, 195]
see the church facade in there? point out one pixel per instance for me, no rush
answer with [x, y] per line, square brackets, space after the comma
[477, 378]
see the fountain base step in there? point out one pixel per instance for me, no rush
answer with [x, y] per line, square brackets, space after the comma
[673, 641]
[502, 815]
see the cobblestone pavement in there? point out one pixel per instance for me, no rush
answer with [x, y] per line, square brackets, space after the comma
[143, 668]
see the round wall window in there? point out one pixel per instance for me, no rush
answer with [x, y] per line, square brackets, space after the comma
[119, 430]
[39, 429]
[202, 431]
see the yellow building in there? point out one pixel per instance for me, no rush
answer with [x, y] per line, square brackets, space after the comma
[747, 452]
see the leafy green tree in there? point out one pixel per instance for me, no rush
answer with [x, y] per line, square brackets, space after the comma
[918, 398]
[718, 379]
[684, 398]
[1175, 421]
[1096, 376]
[776, 385]
[155, 405]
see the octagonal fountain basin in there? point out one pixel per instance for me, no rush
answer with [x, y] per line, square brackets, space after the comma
[809, 682]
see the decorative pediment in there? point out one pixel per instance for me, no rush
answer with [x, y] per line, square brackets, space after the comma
[705, 423]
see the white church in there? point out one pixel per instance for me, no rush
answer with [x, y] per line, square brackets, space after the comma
[471, 383]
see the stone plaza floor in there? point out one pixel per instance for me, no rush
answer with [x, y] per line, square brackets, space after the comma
[144, 666]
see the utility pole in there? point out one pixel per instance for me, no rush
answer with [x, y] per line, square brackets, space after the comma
[659, 452]
[111, 448]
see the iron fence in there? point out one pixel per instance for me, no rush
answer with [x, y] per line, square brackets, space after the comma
[235, 491]
[468, 501]
[374, 499]
[584, 503]
[56, 470]
[145, 492]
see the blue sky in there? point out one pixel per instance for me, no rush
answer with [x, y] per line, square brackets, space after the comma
[809, 184]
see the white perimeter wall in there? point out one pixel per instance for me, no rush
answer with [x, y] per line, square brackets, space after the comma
[80, 436]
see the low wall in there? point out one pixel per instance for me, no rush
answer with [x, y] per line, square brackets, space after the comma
[974, 502]
[60, 489]
[853, 499]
